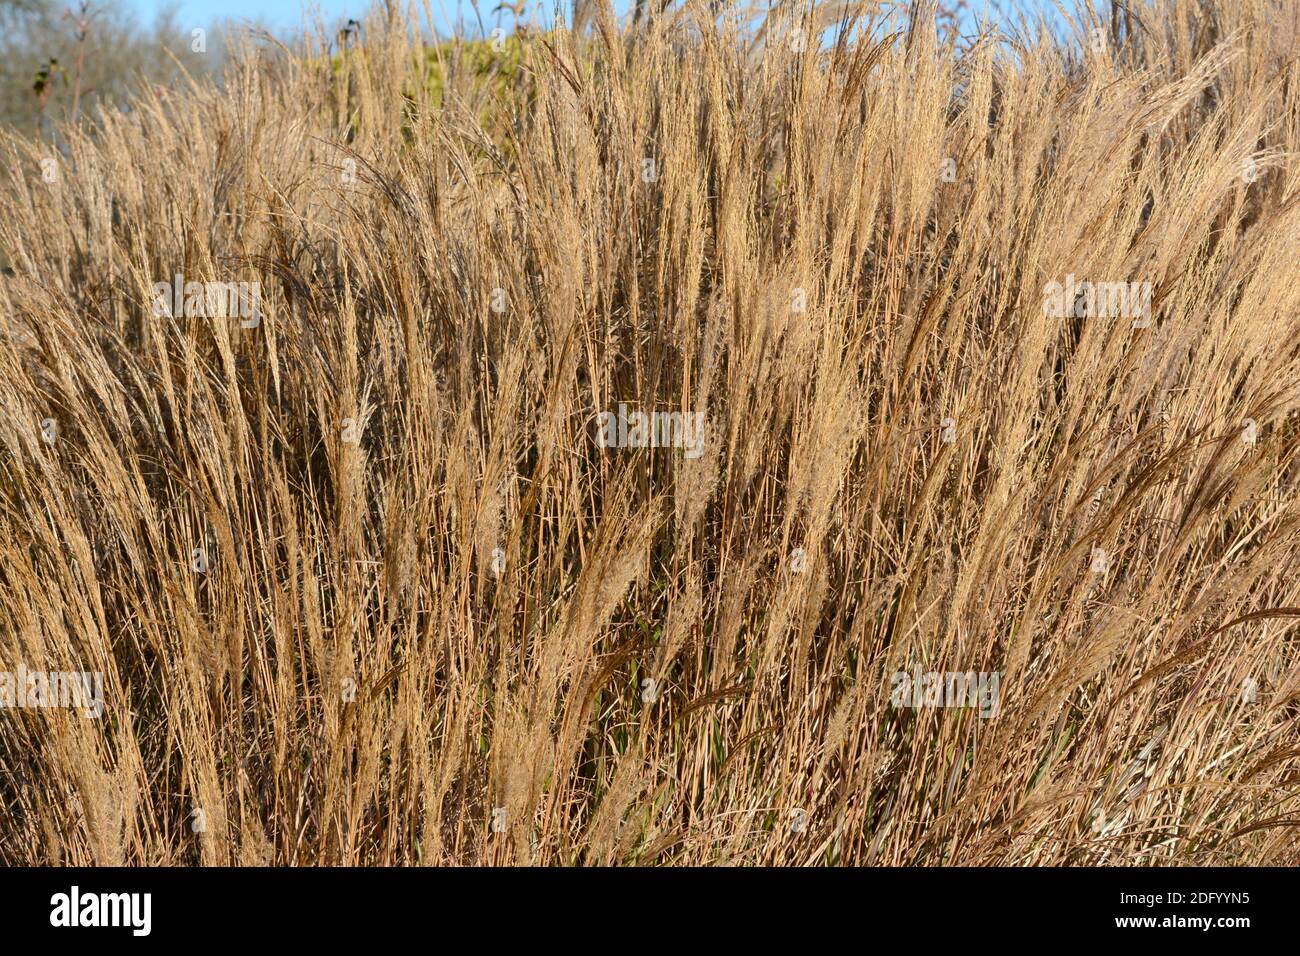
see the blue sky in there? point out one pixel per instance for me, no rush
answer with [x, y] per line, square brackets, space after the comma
[287, 14]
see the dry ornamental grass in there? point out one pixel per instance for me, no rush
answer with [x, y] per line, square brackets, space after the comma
[710, 440]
